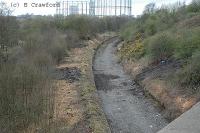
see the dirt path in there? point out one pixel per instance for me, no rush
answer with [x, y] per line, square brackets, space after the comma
[127, 109]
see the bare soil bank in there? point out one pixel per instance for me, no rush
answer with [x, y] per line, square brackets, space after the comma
[175, 99]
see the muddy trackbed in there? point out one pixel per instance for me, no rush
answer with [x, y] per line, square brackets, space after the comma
[127, 108]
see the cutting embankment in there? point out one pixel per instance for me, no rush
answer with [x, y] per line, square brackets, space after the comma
[161, 52]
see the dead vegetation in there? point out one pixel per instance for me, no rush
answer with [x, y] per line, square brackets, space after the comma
[84, 113]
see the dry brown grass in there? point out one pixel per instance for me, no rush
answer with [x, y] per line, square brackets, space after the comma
[173, 98]
[175, 102]
[77, 107]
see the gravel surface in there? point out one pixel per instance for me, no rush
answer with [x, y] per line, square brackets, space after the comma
[127, 108]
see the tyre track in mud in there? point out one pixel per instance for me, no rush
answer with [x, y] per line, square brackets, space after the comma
[127, 108]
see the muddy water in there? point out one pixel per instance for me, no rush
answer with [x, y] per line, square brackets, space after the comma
[127, 109]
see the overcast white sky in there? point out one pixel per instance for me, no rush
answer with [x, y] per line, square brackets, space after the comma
[138, 6]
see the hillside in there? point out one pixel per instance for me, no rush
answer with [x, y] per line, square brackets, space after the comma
[161, 49]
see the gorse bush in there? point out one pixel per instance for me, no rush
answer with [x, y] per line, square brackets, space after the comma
[157, 19]
[160, 47]
[188, 42]
[177, 42]
[149, 24]
[133, 50]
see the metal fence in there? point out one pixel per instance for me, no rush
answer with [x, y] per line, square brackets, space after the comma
[95, 8]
